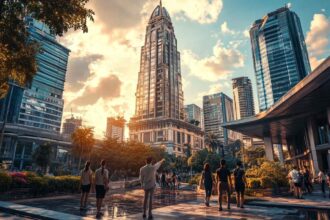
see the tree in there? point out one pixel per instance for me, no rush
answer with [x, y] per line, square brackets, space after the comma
[17, 51]
[197, 160]
[82, 143]
[212, 140]
[42, 156]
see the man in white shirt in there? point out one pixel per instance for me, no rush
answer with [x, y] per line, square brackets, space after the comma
[294, 175]
[148, 183]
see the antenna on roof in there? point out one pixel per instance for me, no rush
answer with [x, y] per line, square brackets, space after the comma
[160, 3]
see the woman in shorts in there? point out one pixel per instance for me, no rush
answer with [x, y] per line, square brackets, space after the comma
[85, 182]
[101, 186]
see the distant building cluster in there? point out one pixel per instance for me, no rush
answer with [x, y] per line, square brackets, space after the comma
[115, 128]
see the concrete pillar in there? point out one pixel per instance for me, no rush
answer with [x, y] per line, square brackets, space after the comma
[22, 158]
[14, 154]
[280, 153]
[328, 113]
[312, 148]
[269, 148]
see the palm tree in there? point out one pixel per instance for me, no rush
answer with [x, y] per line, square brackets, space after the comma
[212, 140]
[82, 142]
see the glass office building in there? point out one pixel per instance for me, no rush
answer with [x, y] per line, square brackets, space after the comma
[243, 98]
[279, 54]
[218, 109]
[42, 101]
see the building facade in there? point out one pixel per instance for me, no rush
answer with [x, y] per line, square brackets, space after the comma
[243, 98]
[116, 128]
[279, 55]
[42, 102]
[159, 112]
[70, 125]
[296, 129]
[194, 114]
[218, 109]
[35, 112]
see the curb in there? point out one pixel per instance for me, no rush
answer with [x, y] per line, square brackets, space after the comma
[37, 213]
[283, 205]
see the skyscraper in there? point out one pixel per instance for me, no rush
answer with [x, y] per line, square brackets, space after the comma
[42, 102]
[218, 109]
[159, 113]
[243, 98]
[279, 54]
[194, 114]
[115, 128]
[70, 125]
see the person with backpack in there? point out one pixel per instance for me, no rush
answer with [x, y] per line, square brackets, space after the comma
[240, 182]
[296, 178]
[223, 177]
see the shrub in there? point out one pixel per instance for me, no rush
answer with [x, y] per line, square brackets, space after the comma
[5, 181]
[266, 182]
[38, 185]
[67, 183]
[195, 180]
[253, 183]
[19, 179]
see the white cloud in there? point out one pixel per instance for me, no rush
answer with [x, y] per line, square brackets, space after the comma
[201, 11]
[225, 29]
[223, 86]
[317, 39]
[215, 67]
[246, 33]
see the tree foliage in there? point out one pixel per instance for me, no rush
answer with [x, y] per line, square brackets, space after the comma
[17, 52]
[82, 143]
[42, 156]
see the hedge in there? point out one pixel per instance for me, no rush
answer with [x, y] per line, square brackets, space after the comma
[39, 185]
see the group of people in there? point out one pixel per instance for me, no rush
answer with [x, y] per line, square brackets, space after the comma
[100, 180]
[302, 181]
[168, 180]
[223, 183]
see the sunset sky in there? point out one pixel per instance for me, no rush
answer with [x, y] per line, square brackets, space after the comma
[212, 38]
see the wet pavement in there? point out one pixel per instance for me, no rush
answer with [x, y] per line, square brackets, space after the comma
[119, 203]
[170, 204]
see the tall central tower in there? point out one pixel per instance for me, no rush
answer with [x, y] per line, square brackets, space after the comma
[159, 89]
[159, 95]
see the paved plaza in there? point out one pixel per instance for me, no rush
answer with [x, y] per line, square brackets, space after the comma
[168, 204]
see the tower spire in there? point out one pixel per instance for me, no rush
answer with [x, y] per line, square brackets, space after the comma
[160, 4]
[160, 7]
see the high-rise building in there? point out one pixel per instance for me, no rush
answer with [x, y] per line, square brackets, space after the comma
[218, 109]
[194, 114]
[243, 98]
[42, 102]
[159, 113]
[116, 128]
[35, 112]
[279, 55]
[70, 125]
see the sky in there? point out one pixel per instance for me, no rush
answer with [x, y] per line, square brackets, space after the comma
[212, 37]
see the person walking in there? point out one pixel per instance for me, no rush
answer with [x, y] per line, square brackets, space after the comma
[322, 180]
[101, 186]
[307, 180]
[207, 180]
[148, 182]
[240, 182]
[86, 176]
[294, 175]
[223, 177]
[163, 180]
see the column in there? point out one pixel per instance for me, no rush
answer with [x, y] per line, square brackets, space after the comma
[14, 154]
[280, 153]
[312, 146]
[269, 148]
[328, 113]
[22, 157]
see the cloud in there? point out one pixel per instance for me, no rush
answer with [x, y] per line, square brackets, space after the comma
[79, 70]
[107, 88]
[217, 66]
[317, 39]
[225, 29]
[246, 33]
[201, 11]
[223, 86]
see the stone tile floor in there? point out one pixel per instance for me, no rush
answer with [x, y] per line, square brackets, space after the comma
[185, 204]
